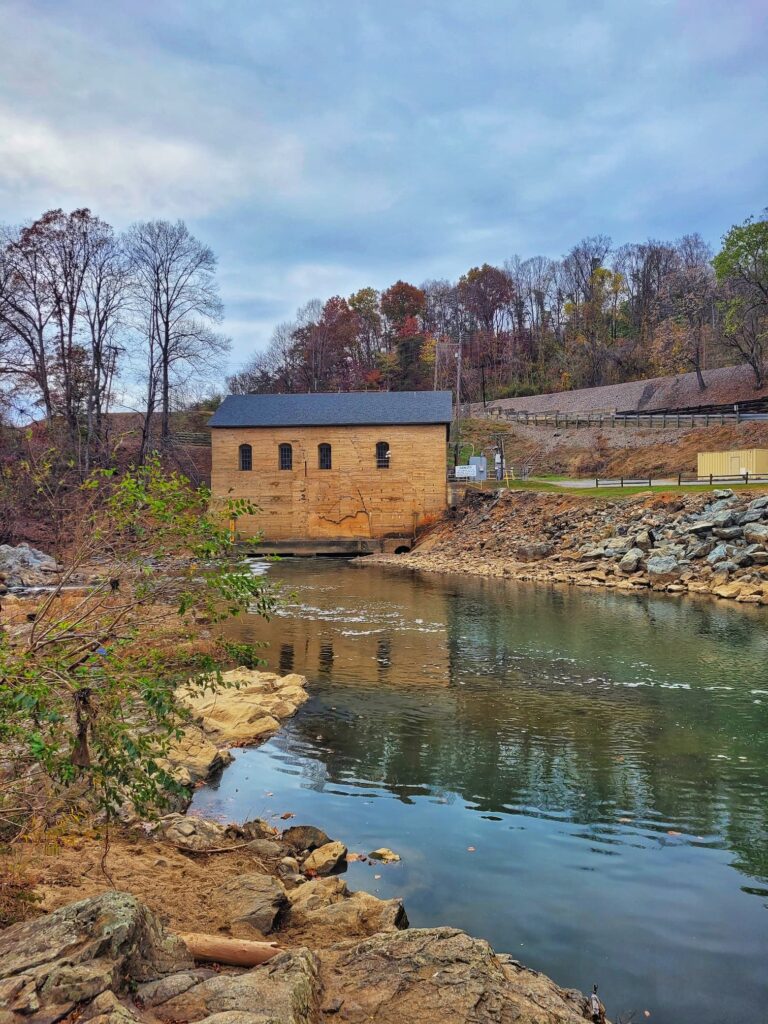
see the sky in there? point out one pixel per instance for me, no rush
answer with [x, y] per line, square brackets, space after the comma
[319, 146]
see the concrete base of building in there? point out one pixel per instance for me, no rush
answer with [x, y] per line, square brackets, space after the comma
[342, 547]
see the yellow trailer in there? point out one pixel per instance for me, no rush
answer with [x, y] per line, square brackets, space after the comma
[735, 462]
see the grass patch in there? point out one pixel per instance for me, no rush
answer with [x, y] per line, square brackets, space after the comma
[550, 486]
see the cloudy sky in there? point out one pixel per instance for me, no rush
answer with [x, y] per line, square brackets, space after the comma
[323, 145]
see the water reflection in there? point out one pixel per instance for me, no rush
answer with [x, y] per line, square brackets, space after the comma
[607, 755]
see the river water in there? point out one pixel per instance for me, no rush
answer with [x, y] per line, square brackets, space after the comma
[579, 777]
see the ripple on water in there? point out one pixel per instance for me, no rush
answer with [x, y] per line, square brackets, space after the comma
[605, 757]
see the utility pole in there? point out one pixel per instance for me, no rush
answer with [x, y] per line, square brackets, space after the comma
[458, 397]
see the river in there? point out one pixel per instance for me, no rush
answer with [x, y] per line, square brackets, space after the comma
[579, 777]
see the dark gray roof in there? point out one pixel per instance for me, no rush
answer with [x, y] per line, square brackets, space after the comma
[352, 408]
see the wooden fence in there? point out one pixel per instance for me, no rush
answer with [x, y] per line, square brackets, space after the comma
[623, 419]
[682, 479]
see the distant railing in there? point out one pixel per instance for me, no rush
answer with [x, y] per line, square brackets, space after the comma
[191, 437]
[682, 478]
[623, 419]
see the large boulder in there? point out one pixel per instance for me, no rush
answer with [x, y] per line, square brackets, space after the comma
[285, 990]
[533, 551]
[196, 755]
[111, 942]
[700, 526]
[718, 554]
[325, 859]
[249, 706]
[440, 974]
[722, 519]
[197, 835]
[255, 899]
[728, 533]
[24, 566]
[323, 911]
[304, 837]
[662, 568]
[756, 533]
[632, 560]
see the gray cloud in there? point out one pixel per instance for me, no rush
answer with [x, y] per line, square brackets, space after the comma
[321, 145]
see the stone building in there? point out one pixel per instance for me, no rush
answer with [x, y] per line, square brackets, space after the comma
[352, 472]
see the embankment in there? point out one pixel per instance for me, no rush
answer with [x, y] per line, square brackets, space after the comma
[705, 543]
[610, 451]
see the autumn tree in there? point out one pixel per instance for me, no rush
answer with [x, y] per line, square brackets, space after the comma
[741, 267]
[402, 306]
[487, 293]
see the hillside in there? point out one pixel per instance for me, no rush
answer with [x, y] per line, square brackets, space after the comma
[607, 451]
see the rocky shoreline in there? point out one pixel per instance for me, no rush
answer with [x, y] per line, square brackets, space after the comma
[115, 956]
[713, 543]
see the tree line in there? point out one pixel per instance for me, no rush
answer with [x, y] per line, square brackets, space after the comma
[83, 307]
[599, 315]
[85, 311]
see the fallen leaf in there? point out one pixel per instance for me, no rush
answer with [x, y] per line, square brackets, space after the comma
[377, 876]
[625, 821]
[646, 1013]
[287, 815]
[470, 849]
[672, 832]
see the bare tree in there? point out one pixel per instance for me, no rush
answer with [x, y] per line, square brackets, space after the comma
[26, 311]
[177, 303]
[104, 298]
[688, 297]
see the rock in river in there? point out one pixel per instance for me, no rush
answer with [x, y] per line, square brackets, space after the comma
[325, 859]
[384, 854]
[304, 837]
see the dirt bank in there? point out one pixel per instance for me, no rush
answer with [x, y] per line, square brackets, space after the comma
[706, 543]
[611, 451]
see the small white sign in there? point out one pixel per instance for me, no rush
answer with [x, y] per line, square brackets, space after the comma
[466, 472]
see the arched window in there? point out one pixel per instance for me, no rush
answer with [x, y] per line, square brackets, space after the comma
[285, 456]
[324, 456]
[382, 455]
[246, 456]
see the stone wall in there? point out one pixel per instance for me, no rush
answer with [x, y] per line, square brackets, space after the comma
[352, 499]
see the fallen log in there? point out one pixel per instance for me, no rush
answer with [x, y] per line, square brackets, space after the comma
[235, 952]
